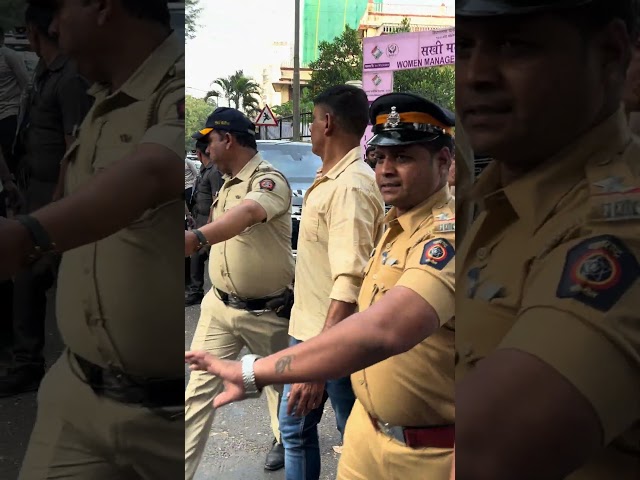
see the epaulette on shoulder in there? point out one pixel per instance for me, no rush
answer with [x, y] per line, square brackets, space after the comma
[614, 185]
[172, 82]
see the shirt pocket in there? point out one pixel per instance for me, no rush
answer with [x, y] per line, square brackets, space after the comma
[387, 274]
[106, 156]
[310, 225]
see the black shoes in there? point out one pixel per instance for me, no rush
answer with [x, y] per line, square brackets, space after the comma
[275, 457]
[193, 299]
[21, 380]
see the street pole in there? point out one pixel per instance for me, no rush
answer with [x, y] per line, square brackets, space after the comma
[296, 75]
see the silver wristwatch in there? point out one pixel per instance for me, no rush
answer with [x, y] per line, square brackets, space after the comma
[249, 377]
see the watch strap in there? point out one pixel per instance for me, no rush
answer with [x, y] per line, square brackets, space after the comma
[41, 239]
[201, 238]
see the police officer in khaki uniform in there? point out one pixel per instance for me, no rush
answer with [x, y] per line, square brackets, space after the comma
[401, 344]
[109, 408]
[251, 268]
[547, 320]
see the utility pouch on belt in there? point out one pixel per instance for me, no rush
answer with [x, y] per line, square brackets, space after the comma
[282, 305]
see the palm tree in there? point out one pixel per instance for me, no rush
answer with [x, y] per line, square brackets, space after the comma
[241, 92]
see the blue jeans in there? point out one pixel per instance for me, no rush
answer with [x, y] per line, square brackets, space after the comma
[300, 434]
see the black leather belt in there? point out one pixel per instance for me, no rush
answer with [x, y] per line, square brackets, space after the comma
[122, 387]
[242, 304]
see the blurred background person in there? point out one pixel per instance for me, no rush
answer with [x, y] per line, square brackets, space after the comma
[57, 104]
[14, 82]
[206, 188]
[370, 156]
[190, 176]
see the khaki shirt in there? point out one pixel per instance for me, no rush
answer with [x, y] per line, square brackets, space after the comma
[550, 267]
[415, 388]
[258, 263]
[464, 181]
[120, 299]
[341, 222]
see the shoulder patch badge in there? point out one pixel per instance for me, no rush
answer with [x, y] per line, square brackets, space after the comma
[597, 272]
[180, 109]
[267, 184]
[437, 253]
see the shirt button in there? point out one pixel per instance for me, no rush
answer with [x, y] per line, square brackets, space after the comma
[375, 276]
[361, 382]
[482, 253]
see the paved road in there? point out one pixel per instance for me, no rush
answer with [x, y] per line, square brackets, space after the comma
[241, 437]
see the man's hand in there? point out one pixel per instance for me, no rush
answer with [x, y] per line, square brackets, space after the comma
[14, 242]
[229, 372]
[191, 243]
[16, 200]
[191, 223]
[305, 397]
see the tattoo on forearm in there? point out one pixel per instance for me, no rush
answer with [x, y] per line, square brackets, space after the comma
[284, 364]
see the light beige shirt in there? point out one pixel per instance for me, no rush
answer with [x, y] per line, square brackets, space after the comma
[120, 300]
[341, 221]
[259, 262]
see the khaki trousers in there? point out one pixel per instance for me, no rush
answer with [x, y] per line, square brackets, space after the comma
[371, 455]
[223, 331]
[79, 435]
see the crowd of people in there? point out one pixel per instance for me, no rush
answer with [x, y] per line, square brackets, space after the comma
[535, 329]
[546, 332]
[390, 419]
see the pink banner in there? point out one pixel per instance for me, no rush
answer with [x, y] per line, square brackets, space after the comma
[377, 84]
[405, 51]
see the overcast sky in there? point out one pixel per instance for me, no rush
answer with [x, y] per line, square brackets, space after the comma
[238, 34]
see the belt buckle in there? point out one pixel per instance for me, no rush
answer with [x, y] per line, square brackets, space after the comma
[392, 431]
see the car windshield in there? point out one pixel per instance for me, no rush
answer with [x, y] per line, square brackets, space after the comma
[295, 161]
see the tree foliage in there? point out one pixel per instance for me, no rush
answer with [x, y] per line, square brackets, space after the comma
[196, 112]
[192, 12]
[338, 62]
[241, 92]
[286, 109]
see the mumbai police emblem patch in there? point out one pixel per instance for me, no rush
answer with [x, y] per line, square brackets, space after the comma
[597, 272]
[437, 253]
[267, 184]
